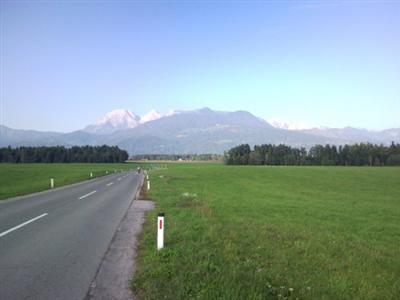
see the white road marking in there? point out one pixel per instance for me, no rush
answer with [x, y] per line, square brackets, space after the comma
[21, 225]
[111, 183]
[119, 179]
[87, 195]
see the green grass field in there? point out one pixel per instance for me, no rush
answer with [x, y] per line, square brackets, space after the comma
[272, 233]
[21, 179]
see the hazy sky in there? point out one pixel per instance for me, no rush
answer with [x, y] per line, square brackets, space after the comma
[64, 64]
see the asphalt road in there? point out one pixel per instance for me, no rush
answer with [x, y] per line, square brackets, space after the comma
[52, 243]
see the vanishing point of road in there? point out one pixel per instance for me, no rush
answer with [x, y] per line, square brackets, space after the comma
[52, 243]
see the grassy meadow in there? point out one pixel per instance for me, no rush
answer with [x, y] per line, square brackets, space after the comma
[242, 232]
[21, 179]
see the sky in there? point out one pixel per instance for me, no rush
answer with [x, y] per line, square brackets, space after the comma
[66, 63]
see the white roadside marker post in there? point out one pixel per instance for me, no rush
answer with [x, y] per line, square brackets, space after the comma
[106, 172]
[52, 183]
[148, 185]
[91, 175]
[160, 231]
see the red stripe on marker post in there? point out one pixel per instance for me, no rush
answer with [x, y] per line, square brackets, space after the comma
[160, 231]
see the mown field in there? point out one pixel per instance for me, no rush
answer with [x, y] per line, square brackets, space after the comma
[272, 233]
[21, 179]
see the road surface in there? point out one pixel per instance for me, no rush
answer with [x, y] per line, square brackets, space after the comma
[52, 243]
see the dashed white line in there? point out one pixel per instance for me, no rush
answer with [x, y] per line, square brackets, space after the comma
[87, 195]
[111, 183]
[119, 179]
[21, 225]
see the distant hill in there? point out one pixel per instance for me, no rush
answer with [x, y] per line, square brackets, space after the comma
[188, 132]
[356, 135]
[18, 137]
[205, 131]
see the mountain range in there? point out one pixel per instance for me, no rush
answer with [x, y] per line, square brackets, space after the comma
[187, 132]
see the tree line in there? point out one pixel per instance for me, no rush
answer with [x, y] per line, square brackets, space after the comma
[328, 155]
[177, 157]
[60, 154]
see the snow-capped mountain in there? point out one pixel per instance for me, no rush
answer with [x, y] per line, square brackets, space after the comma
[356, 135]
[152, 115]
[196, 131]
[117, 119]
[122, 119]
[278, 123]
[340, 135]
[173, 112]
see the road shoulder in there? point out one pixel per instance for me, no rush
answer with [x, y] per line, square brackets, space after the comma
[112, 280]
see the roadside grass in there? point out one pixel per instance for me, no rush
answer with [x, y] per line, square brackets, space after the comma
[237, 232]
[21, 179]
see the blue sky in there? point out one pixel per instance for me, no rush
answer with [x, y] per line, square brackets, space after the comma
[332, 63]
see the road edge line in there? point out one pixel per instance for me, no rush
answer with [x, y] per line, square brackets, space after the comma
[113, 277]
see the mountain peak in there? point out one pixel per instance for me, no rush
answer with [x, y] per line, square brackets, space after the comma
[278, 123]
[116, 119]
[152, 115]
[117, 116]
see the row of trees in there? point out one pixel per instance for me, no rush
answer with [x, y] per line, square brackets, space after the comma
[347, 155]
[60, 154]
[178, 157]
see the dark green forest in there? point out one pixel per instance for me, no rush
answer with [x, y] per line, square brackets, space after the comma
[319, 155]
[176, 157]
[59, 154]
